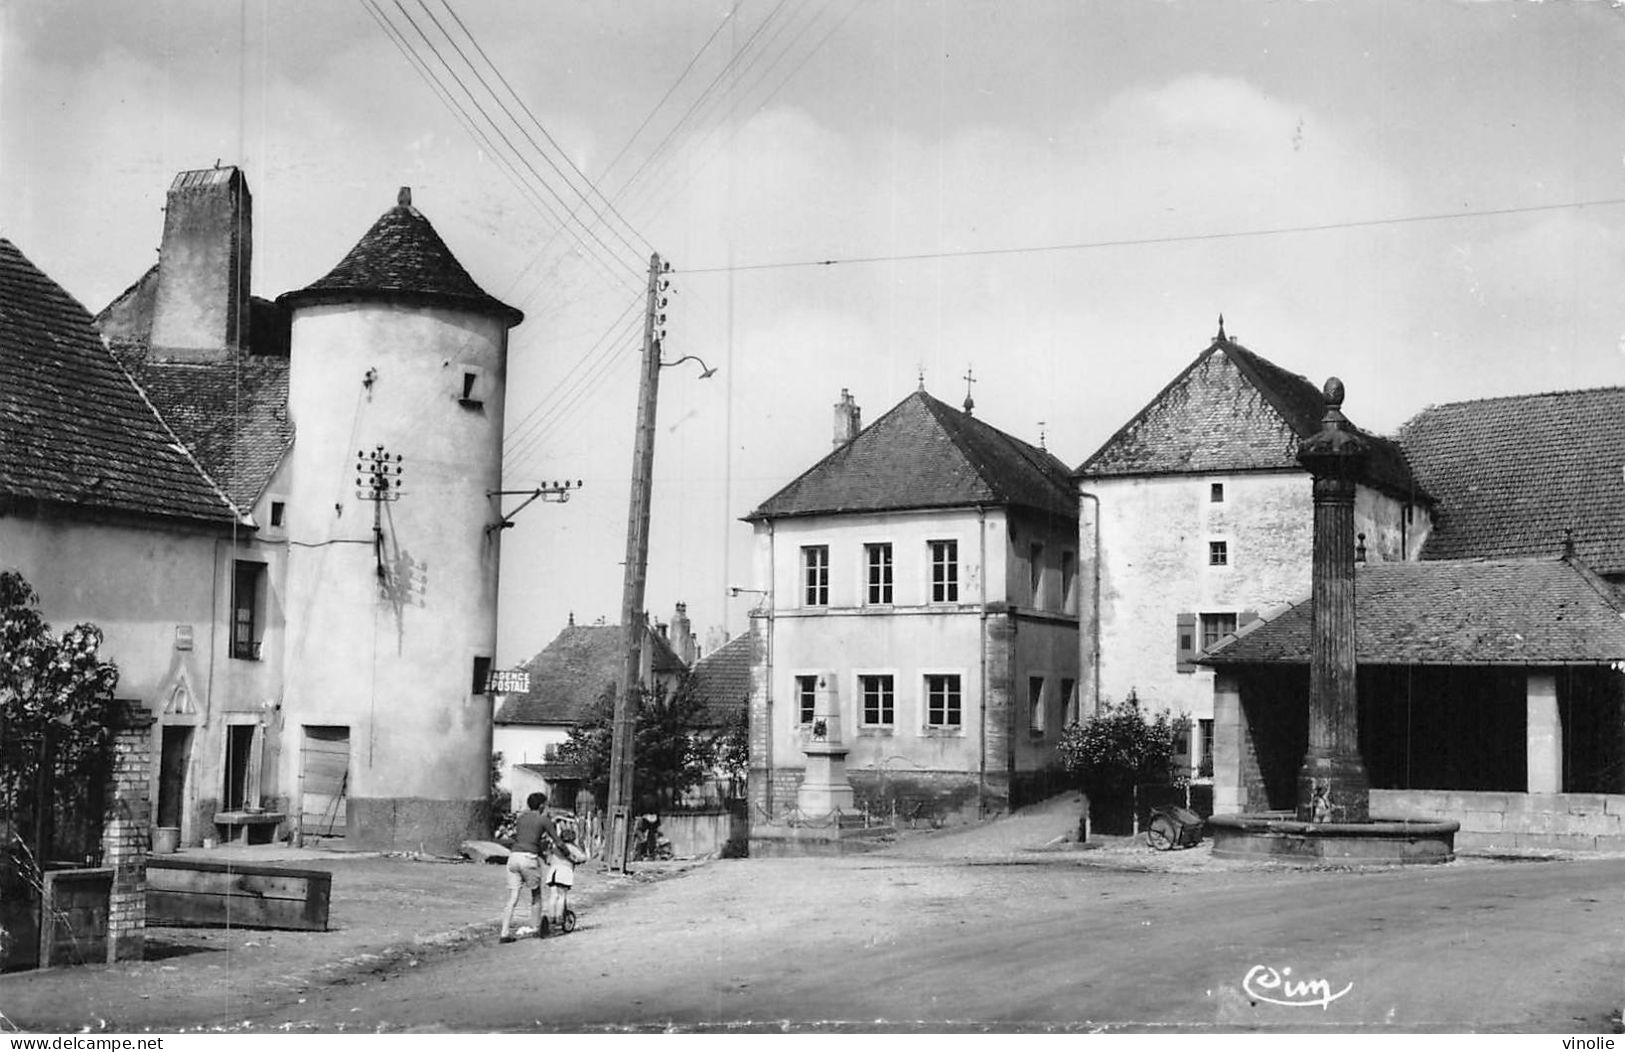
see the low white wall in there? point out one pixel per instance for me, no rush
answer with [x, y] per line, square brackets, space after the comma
[1568, 821]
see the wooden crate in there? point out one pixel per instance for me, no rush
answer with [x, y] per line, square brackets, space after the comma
[183, 893]
[73, 922]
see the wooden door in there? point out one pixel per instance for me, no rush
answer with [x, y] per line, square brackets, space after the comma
[324, 781]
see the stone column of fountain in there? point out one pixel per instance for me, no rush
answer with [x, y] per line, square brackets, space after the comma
[1333, 821]
[1332, 784]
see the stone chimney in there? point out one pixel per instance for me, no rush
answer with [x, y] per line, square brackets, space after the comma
[201, 307]
[682, 635]
[848, 419]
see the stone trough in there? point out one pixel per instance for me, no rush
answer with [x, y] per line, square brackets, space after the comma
[1279, 835]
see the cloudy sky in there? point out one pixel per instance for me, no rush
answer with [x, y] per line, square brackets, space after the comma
[1424, 198]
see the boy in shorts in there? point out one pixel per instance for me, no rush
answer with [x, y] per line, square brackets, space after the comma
[534, 833]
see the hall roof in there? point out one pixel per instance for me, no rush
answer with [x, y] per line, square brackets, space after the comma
[1529, 612]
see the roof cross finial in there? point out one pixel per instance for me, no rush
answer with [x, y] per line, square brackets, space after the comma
[922, 378]
[1221, 338]
[970, 403]
[1041, 444]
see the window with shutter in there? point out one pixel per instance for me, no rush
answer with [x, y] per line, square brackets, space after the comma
[1185, 642]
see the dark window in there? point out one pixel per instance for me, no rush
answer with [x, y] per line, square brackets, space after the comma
[815, 575]
[1069, 578]
[943, 706]
[1204, 766]
[482, 675]
[246, 585]
[1069, 701]
[806, 692]
[1216, 493]
[880, 577]
[1035, 704]
[1218, 553]
[277, 508]
[945, 571]
[879, 702]
[1035, 570]
[1215, 627]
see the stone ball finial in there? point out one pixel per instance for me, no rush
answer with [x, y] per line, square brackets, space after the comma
[1334, 393]
[404, 198]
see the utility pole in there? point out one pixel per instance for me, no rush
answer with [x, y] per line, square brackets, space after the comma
[628, 697]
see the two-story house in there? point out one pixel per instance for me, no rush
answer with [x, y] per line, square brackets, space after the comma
[925, 574]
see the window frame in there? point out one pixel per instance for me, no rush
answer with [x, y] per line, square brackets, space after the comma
[806, 694]
[944, 694]
[1211, 628]
[1036, 716]
[247, 619]
[815, 575]
[1218, 552]
[944, 555]
[881, 592]
[885, 702]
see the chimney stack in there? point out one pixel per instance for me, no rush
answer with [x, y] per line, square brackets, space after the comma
[201, 308]
[682, 635]
[848, 419]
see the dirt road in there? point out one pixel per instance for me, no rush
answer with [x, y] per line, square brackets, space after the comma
[924, 939]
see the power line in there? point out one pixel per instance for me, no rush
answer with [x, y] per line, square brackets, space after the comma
[421, 67]
[1168, 240]
[542, 182]
[585, 198]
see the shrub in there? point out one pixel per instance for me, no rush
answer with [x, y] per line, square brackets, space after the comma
[1117, 748]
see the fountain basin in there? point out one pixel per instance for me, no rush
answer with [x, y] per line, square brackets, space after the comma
[1280, 836]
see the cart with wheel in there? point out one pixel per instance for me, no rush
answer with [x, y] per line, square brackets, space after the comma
[1174, 826]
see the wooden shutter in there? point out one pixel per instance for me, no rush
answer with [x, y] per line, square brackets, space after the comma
[1186, 644]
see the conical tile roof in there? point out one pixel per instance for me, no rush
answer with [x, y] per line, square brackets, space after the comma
[402, 257]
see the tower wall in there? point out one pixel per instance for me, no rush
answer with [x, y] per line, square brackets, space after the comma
[389, 655]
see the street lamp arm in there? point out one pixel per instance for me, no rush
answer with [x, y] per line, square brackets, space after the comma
[706, 374]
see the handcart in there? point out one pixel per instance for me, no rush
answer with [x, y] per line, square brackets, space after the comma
[1174, 826]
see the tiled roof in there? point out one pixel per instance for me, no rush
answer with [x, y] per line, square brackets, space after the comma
[74, 428]
[1470, 612]
[402, 257]
[232, 414]
[722, 678]
[575, 670]
[1231, 410]
[1510, 475]
[926, 454]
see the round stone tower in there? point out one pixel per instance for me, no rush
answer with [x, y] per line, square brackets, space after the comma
[396, 397]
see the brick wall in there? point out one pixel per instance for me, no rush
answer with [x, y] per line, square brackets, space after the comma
[1564, 821]
[125, 835]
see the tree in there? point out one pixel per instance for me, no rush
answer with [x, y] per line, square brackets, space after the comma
[733, 748]
[56, 730]
[674, 748]
[1118, 748]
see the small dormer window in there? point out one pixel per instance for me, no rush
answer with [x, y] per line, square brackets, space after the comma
[471, 387]
[278, 508]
